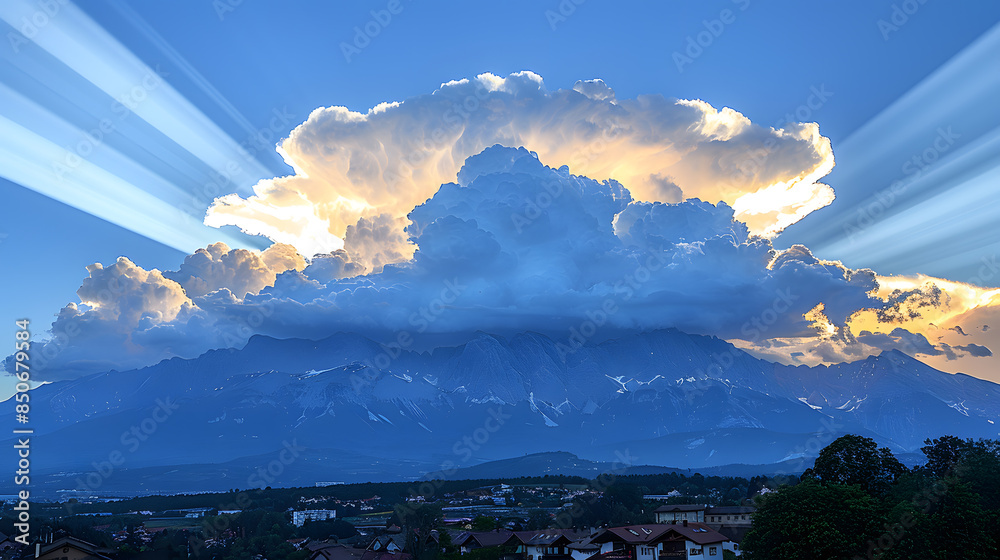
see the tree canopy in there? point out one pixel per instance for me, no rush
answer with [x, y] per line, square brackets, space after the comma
[859, 502]
[857, 460]
[812, 520]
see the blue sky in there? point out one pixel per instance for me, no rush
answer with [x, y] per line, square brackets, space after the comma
[254, 65]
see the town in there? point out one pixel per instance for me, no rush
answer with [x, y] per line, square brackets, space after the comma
[526, 520]
[863, 501]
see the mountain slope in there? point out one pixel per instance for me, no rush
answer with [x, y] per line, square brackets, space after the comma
[664, 397]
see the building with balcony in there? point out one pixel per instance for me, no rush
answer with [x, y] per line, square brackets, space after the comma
[729, 515]
[680, 512]
[549, 544]
[681, 540]
[300, 517]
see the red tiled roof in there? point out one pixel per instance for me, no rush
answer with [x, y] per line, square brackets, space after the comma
[633, 534]
[650, 534]
[545, 536]
[697, 532]
[485, 538]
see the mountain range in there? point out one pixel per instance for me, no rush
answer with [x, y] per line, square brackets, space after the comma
[345, 408]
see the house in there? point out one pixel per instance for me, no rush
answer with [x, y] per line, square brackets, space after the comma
[390, 547]
[660, 541]
[732, 521]
[299, 518]
[547, 544]
[730, 515]
[71, 548]
[680, 512]
[387, 543]
[325, 550]
[387, 547]
[467, 540]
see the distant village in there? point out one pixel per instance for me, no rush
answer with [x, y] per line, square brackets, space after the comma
[680, 531]
[499, 521]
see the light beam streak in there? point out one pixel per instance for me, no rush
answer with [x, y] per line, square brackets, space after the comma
[959, 98]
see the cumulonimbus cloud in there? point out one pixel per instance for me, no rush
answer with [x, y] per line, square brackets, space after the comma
[351, 166]
[512, 246]
[651, 213]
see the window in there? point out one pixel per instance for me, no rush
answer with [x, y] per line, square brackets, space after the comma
[694, 552]
[646, 551]
[713, 551]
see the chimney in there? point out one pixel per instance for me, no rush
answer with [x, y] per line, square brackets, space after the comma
[685, 522]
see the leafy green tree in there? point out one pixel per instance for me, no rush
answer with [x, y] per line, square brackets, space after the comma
[419, 521]
[946, 521]
[539, 519]
[735, 495]
[853, 459]
[627, 495]
[979, 469]
[321, 530]
[963, 520]
[487, 553]
[944, 453]
[904, 535]
[484, 523]
[809, 521]
[445, 544]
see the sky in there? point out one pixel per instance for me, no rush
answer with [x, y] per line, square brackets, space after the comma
[148, 131]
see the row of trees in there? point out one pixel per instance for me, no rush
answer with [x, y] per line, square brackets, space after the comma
[860, 502]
